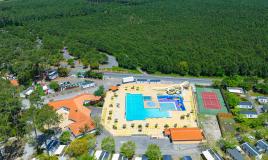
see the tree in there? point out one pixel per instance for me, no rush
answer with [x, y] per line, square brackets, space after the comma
[47, 157]
[153, 152]
[78, 147]
[86, 157]
[85, 129]
[128, 149]
[11, 121]
[94, 65]
[54, 85]
[71, 62]
[41, 118]
[108, 144]
[98, 125]
[25, 78]
[65, 137]
[91, 74]
[229, 142]
[183, 68]
[216, 83]
[100, 91]
[262, 88]
[46, 117]
[232, 99]
[195, 69]
[63, 72]
[232, 81]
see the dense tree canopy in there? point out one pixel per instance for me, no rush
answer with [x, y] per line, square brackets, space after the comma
[78, 147]
[11, 123]
[211, 37]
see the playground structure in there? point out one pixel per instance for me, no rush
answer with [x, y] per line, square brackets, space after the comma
[175, 88]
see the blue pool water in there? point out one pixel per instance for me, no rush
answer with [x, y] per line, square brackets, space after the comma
[167, 106]
[150, 104]
[147, 98]
[135, 109]
[178, 101]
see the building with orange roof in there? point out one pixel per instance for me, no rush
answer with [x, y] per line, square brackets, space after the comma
[190, 135]
[14, 82]
[76, 117]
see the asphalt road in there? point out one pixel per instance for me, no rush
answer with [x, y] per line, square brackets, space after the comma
[111, 62]
[200, 81]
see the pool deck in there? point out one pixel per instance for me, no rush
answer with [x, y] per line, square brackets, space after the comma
[114, 119]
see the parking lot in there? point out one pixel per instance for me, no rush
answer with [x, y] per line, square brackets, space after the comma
[176, 150]
[77, 91]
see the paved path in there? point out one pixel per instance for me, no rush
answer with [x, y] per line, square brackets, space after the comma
[112, 62]
[201, 81]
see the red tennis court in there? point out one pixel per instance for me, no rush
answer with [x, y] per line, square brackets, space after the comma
[210, 100]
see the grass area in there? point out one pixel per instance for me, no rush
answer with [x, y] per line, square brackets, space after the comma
[255, 94]
[121, 70]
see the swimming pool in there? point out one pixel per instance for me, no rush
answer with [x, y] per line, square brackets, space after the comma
[168, 106]
[177, 100]
[147, 98]
[135, 109]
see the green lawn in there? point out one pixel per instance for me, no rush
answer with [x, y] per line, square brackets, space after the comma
[121, 70]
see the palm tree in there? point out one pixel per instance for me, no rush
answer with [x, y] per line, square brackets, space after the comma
[166, 126]
[84, 129]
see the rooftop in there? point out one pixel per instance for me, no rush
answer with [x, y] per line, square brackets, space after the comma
[248, 112]
[237, 88]
[262, 97]
[113, 88]
[14, 82]
[262, 143]
[79, 114]
[252, 150]
[184, 134]
[235, 153]
[245, 103]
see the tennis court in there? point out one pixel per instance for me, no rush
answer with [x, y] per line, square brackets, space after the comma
[210, 101]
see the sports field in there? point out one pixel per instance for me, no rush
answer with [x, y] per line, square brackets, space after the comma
[210, 101]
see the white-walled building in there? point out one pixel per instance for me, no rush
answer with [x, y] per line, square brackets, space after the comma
[236, 90]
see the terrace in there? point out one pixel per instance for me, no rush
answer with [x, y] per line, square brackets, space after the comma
[147, 109]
